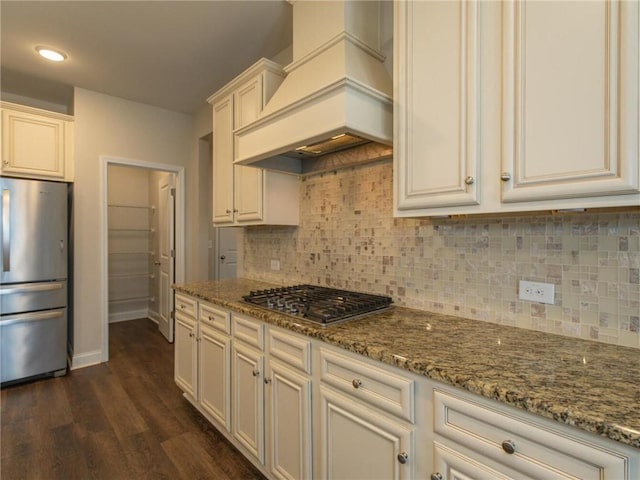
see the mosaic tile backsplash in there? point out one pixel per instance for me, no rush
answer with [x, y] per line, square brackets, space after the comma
[348, 238]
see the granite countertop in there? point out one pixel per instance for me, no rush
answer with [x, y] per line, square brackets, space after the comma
[590, 385]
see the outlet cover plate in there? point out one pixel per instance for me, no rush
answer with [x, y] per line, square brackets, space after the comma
[275, 264]
[537, 292]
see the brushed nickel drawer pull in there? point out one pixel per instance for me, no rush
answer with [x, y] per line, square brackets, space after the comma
[509, 447]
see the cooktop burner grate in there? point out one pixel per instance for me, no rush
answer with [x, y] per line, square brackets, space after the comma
[321, 305]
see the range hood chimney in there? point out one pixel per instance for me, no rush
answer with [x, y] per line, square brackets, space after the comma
[337, 93]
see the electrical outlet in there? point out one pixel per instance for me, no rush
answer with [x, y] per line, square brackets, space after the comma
[275, 264]
[537, 292]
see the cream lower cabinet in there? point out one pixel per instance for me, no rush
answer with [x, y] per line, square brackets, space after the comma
[298, 408]
[288, 405]
[479, 439]
[247, 383]
[186, 344]
[272, 397]
[357, 442]
[248, 398]
[366, 420]
[515, 106]
[36, 143]
[214, 363]
[248, 195]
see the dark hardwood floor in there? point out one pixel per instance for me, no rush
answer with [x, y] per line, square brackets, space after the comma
[125, 419]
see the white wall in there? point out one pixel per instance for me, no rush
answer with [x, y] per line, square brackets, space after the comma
[111, 126]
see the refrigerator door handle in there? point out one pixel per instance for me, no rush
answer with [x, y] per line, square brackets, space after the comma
[6, 230]
[30, 287]
[30, 317]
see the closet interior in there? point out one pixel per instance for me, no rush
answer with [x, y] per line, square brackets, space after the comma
[132, 247]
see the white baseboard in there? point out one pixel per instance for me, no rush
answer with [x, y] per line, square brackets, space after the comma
[87, 359]
[129, 315]
[153, 316]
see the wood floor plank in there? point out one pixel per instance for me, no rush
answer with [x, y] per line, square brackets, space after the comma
[125, 419]
[190, 458]
[68, 461]
[105, 457]
[88, 415]
[118, 407]
[147, 457]
[19, 439]
[163, 422]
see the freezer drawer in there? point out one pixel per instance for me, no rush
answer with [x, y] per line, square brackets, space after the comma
[33, 344]
[29, 297]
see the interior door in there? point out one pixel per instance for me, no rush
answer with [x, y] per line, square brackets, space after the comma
[227, 253]
[166, 254]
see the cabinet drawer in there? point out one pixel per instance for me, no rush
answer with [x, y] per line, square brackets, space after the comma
[381, 388]
[290, 349]
[186, 305]
[539, 451]
[215, 317]
[249, 331]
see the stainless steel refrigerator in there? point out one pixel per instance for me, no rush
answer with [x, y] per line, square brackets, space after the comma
[33, 289]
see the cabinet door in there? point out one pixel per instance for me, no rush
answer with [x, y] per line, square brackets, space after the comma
[248, 399]
[437, 109]
[570, 99]
[289, 396]
[215, 375]
[186, 354]
[223, 161]
[359, 443]
[33, 145]
[248, 180]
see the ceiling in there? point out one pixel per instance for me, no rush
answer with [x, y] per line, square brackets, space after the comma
[171, 54]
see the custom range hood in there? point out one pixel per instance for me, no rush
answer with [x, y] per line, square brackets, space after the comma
[337, 94]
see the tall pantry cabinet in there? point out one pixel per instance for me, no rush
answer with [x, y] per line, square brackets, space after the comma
[248, 195]
[516, 105]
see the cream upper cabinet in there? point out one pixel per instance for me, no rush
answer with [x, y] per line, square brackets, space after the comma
[248, 195]
[515, 106]
[36, 143]
[248, 180]
[570, 99]
[437, 94]
[223, 161]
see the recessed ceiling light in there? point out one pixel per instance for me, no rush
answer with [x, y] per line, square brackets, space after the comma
[51, 54]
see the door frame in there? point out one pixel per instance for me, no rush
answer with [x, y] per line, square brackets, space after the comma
[180, 230]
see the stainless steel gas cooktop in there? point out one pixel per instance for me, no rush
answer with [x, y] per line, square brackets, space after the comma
[320, 305]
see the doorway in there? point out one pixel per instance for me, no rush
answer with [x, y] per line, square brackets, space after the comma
[224, 260]
[141, 247]
[144, 219]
